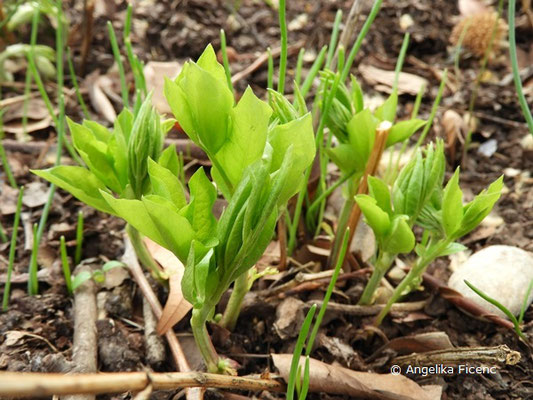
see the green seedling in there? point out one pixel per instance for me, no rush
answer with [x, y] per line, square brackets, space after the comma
[392, 217]
[97, 275]
[127, 175]
[3, 156]
[44, 57]
[444, 220]
[294, 372]
[79, 238]
[116, 162]
[12, 251]
[516, 322]
[23, 12]
[65, 265]
[526, 110]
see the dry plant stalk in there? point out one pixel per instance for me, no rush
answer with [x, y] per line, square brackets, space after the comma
[498, 355]
[479, 30]
[13, 384]
[382, 132]
[84, 347]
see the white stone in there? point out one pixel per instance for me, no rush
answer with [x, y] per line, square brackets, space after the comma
[501, 272]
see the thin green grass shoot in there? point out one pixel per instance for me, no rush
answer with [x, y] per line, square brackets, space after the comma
[12, 251]
[434, 109]
[225, 59]
[79, 239]
[65, 264]
[503, 309]
[514, 64]
[120, 64]
[284, 45]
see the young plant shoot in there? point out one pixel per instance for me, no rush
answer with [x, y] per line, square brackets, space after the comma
[258, 164]
[418, 199]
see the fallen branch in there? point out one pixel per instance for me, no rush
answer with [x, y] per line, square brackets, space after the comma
[24, 384]
[365, 311]
[84, 347]
[498, 355]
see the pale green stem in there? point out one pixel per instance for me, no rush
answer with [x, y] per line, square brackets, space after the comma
[203, 341]
[411, 276]
[381, 267]
[142, 252]
[231, 313]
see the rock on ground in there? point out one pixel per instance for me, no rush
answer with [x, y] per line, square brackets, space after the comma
[502, 272]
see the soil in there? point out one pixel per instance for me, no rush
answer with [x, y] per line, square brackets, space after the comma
[36, 332]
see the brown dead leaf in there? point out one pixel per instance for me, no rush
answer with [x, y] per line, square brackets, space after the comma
[155, 73]
[98, 97]
[454, 128]
[333, 379]
[420, 343]
[176, 306]
[384, 80]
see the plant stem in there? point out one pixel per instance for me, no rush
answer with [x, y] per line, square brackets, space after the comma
[142, 252]
[231, 313]
[203, 341]
[411, 276]
[381, 267]
[284, 44]
[514, 63]
[12, 250]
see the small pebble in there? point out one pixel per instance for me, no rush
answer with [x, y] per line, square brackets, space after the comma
[501, 272]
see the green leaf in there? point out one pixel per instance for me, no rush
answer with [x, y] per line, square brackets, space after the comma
[403, 130]
[112, 264]
[80, 278]
[100, 132]
[380, 191]
[146, 141]
[199, 212]
[375, 217]
[298, 135]
[174, 230]
[166, 184]
[169, 160]
[387, 111]
[80, 182]
[414, 189]
[134, 212]
[452, 205]
[452, 248]
[208, 61]
[235, 239]
[95, 155]
[357, 96]
[201, 103]
[343, 157]
[400, 238]
[481, 206]
[124, 124]
[247, 137]
[361, 134]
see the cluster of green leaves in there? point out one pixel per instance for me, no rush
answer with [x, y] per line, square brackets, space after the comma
[418, 199]
[258, 163]
[22, 12]
[392, 215]
[44, 57]
[97, 275]
[116, 161]
[354, 126]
